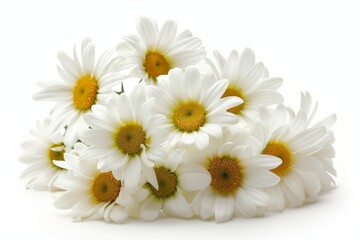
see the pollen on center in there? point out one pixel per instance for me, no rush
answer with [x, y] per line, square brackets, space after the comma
[189, 116]
[156, 64]
[227, 174]
[85, 92]
[106, 187]
[129, 138]
[167, 181]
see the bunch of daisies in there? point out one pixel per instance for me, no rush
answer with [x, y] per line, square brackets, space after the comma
[191, 136]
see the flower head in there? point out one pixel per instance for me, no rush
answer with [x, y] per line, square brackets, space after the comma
[237, 179]
[304, 149]
[193, 107]
[175, 179]
[86, 82]
[155, 52]
[92, 194]
[248, 80]
[43, 153]
[126, 136]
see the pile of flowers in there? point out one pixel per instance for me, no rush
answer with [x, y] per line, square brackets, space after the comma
[191, 135]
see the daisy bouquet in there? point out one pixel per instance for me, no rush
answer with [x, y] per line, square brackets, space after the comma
[194, 136]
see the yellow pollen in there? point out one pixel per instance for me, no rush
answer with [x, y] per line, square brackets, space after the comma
[85, 92]
[227, 174]
[105, 187]
[129, 138]
[189, 116]
[281, 151]
[167, 181]
[156, 64]
[231, 91]
[56, 155]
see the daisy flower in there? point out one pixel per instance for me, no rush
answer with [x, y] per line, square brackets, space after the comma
[237, 180]
[126, 136]
[175, 179]
[43, 153]
[247, 80]
[154, 52]
[92, 194]
[193, 107]
[305, 152]
[85, 83]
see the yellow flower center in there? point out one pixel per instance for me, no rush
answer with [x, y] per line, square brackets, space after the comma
[129, 138]
[281, 151]
[167, 181]
[156, 64]
[189, 116]
[85, 92]
[105, 187]
[55, 154]
[227, 174]
[231, 91]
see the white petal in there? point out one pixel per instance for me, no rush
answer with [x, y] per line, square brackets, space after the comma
[224, 208]
[258, 196]
[150, 176]
[148, 30]
[207, 205]
[231, 67]
[277, 199]
[245, 204]
[196, 202]
[68, 199]
[98, 138]
[150, 209]
[202, 140]
[167, 34]
[309, 141]
[265, 161]
[118, 214]
[271, 83]
[94, 121]
[194, 178]
[259, 177]
[177, 206]
[241, 152]
[69, 65]
[189, 138]
[144, 157]
[215, 92]
[212, 129]
[225, 149]
[132, 173]
[311, 184]
[294, 184]
[88, 59]
[220, 60]
[174, 160]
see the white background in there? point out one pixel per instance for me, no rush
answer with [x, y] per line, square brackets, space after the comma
[313, 45]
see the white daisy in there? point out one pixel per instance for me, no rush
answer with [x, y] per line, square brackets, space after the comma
[247, 80]
[193, 106]
[237, 179]
[154, 52]
[92, 194]
[126, 136]
[175, 179]
[305, 152]
[43, 152]
[85, 83]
